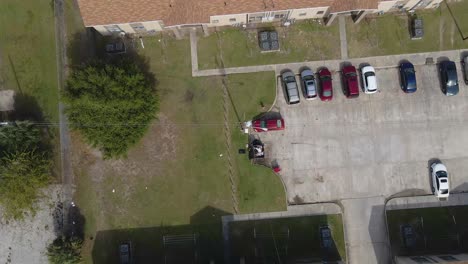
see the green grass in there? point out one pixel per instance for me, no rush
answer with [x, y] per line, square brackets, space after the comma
[435, 223]
[303, 41]
[303, 242]
[173, 190]
[27, 52]
[259, 187]
[388, 34]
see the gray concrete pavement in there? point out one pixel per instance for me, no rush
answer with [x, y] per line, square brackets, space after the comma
[362, 151]
[365, 231]
[343, 39]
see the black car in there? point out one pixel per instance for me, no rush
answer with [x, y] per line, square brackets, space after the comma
[408, 236]
[448, 77]
[326, 241]
[407, 77]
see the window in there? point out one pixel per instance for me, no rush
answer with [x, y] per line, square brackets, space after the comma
[113, 29]
[302, 14]
[448, 258]
[420, 259]
[232, 20]
[279, 16]
[138, 27]
[320, 12]
[215, 21]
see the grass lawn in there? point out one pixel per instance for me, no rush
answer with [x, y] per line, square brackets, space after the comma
[436, 228]
[388, 34]
[303, 41]
[27, 52]
[175, 175]
[303, 241]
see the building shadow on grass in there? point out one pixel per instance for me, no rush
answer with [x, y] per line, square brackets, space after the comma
[88, 46]
[198, 242]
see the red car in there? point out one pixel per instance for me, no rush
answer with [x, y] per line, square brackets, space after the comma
[350, 82]
[326, 88]
[268, 125]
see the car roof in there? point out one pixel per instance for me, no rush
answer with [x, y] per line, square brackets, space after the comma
[440, 167]
[349, 68]
[372, 83]
[368, 69]
[306, 72]
[287, 74]
[324, 71]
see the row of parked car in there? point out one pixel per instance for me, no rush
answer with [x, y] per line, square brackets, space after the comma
[322, 87]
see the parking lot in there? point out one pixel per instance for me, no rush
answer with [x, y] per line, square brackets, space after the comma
[362, 151]
[374, 145]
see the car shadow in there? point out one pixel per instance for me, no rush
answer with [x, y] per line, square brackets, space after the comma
[359, 72]
[463, 55]
[342, 79]
[429, 163]
[439, 60]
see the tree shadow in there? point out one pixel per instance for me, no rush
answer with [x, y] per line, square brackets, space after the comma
[27, 108]
[88, 46]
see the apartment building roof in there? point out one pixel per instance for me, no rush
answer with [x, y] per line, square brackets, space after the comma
[180, 12]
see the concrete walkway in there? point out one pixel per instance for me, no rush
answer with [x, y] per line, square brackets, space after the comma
[343, 39]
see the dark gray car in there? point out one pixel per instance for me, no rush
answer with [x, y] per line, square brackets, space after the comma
[308, 84]
[448, 77]
[290, 87]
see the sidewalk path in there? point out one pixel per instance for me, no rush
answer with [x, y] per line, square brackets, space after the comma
[62, 63]
[343, 40]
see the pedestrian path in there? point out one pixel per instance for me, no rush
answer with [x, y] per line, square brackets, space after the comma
[343, 40]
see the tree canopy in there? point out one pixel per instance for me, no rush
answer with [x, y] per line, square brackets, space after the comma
[111, 104]
[65, 251]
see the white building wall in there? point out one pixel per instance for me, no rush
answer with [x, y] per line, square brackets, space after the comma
[384, 6]
[225, 20]
[308, 13]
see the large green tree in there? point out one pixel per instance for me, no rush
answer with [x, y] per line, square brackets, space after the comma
[111, 104]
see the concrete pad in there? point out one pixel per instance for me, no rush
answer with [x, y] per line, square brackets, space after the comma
[7, 100]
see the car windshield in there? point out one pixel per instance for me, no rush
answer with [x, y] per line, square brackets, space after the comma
[278, 123]
[444, 191]
[327, 93]
[368, 74]
[290, 79]
[325, 78]
[409, 70]
[308, 77]
[441, 174]
[262, 124]
[351, 74]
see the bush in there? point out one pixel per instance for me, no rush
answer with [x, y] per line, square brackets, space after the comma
[65, 251]
[110, 104]
[21, 175]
